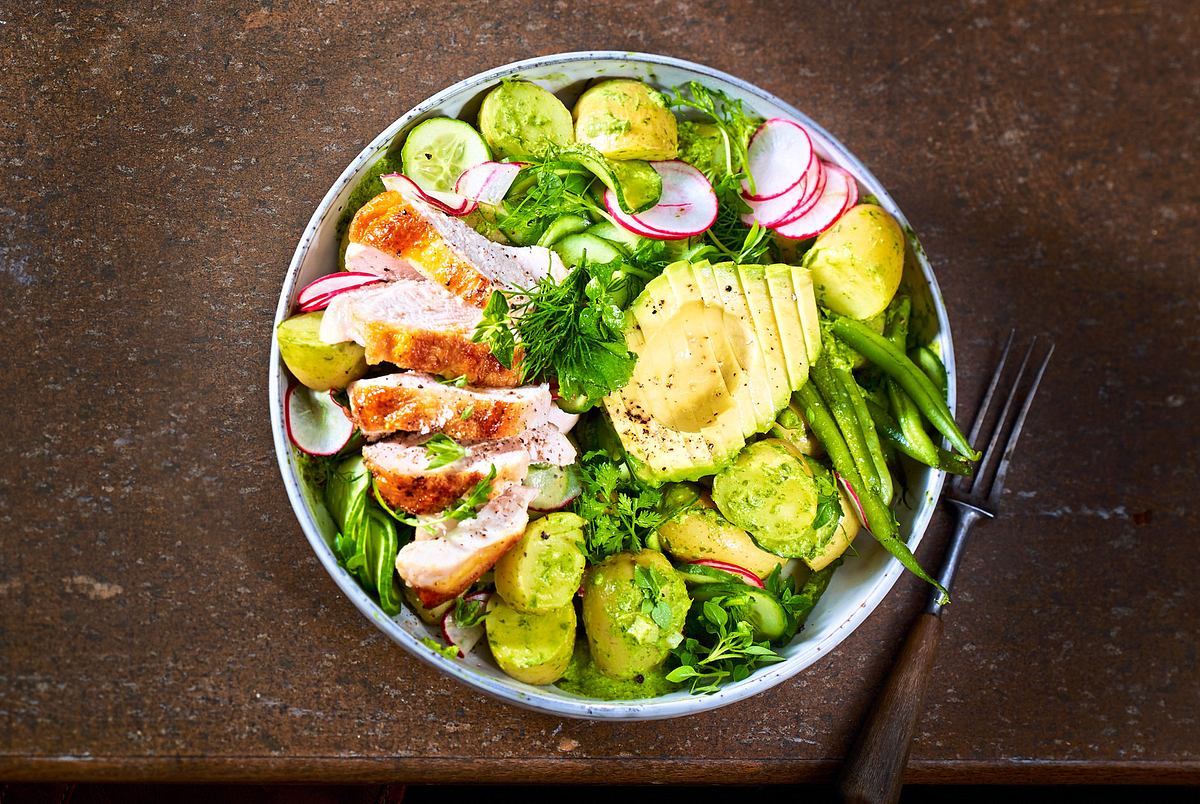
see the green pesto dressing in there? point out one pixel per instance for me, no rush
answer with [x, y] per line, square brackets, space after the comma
[584, 678]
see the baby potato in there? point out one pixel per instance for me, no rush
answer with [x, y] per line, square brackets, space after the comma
[702, 533]
[836, 540]
[534, 648]
[857, 263]
[770, 492]
[543, 571]
[625, 639]
[520, 120]
[316, 364]
[626, 119]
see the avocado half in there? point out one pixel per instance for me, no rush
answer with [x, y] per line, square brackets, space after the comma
[720, 350]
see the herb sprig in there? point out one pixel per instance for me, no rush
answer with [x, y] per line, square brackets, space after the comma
[721, 648]
[620, 513]
[443, 451]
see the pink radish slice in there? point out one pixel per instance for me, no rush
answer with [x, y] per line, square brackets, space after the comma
[687, 207]
[778, 158]
[331, 285]
[841, 192]
[487, 182]
[816, 188]
[792, 203]
[858, 509]
[627, 221]
[465, 639]
[450, 203]
[733, 569]
[315, 423]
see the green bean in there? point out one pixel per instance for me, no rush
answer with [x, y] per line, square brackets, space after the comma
[931, 364]
[867, 425]
[893, 435]
[880, 351]
[880, 520]
[842, 410]
[896, 327]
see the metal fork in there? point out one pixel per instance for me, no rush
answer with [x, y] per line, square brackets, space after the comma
[874, 768]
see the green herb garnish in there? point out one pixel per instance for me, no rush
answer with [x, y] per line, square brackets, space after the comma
[443, 451]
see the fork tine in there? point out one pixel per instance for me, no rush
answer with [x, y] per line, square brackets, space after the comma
[960, 481]
[989, 454]
[1011, 444]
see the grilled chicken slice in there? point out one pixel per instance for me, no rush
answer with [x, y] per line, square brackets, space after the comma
[416, 325]
[547, 444]
[415, 402]
[396, 233]
[400, 466]
[446, 559]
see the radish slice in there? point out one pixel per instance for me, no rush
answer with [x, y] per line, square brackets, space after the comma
[315, 423]
[858, 509]
[487, 182]
[465, 639]
[687, 207]
[841, 193]
[321, 291]
[733, 569]
[778, 158]
[814, 190]
[793, 203]
[450, 203]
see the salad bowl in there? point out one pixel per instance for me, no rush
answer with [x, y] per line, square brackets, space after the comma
[858, 586]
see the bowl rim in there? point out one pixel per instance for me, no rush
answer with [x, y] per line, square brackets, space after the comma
[509, 690]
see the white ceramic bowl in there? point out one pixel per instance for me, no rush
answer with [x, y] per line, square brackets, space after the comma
[858, 585]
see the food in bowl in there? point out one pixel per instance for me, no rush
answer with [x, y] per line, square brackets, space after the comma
[608, 392]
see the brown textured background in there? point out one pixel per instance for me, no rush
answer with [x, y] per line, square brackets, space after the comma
[160, 612]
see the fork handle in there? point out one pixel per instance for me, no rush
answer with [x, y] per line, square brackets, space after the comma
[874, 769]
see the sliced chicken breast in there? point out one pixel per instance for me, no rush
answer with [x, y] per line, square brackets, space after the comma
[446, 559]
[368, 259]
[415, 324]
[416, 402]
[412, 235]
[547, 444]
[400, 466]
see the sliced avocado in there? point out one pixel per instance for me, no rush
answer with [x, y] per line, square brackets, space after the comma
[787, 319]
[806, 299]
[753, 280]
[711, 368]
[686, 387]
[721, 352]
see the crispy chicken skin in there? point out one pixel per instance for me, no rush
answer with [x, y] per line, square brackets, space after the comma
[394, 234]
[415, 324]
[416, 402]
[400, 466]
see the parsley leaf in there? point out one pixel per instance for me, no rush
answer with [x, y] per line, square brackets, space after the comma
[449, 651]
[443, 451]
[494, 329]
[457, 382]
[467, 411]
[653, 599]
[468, 506]
[720, 646]
[620, 513]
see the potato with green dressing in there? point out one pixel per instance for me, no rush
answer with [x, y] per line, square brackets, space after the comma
[857, 263]
[520, 120]
[634, 605]
[626, 119]
[316, 364]
[534, 648]
[790, 504]
[544, 569]
[703, 534]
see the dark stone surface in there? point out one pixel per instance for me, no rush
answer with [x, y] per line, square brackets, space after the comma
[160, 612]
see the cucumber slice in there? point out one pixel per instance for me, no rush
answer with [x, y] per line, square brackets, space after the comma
[563, 225]
[437, 151]
[636, 184]
[626, 240]
[573, 248]
[763, 611]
